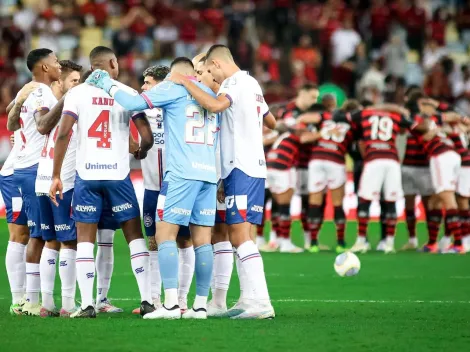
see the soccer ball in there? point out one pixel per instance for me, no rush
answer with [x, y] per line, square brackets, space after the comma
[347, 264]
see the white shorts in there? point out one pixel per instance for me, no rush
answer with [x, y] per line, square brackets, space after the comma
[378, 175]
[281, 181]
[463, 182]
[445, 169]
[324, 173]
[416, 180]
[302, 182]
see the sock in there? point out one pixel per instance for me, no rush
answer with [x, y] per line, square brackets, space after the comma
[274, 218]
[252, 265]
[260, 229]
[363, 216]
[284, 221]
[383, 219]
[47, 269]
[203, 269]
[104, 263]
[187, 261]
[16, 270]
[453, 224]
[168, 263]
[390, 219]
[155, 279]
[245, 288]
[465, 221]
[33, 283]
[434, 224]
[222, 272]
[340, 220]
[411, 222]
[304, 213]
[85, 272]
[315, 220]
[68, 277]
[141, 268]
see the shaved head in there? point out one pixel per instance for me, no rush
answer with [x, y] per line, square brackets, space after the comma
[198, 58]
[182, 65]
[104, 58]
[219, 52]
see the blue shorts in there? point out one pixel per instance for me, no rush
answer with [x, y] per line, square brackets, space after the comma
[107, 219]
[150, 214]
[244, 198]
[13, 202]
[90, 198]
[56, 222]
[25, 180]
[183, 201]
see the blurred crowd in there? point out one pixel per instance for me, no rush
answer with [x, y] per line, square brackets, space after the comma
[370, 49]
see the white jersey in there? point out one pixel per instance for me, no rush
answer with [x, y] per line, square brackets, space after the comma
[46, 163]
[8, 165]
[31, 140]
[242, 126]
[153, 166]
[102, 132]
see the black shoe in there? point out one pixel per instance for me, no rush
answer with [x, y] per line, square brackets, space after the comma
[88, 312]
[146, 307]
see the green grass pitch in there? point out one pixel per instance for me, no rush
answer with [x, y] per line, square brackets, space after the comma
[401, 302]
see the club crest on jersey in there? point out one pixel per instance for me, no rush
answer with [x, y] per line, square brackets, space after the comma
[102, 101]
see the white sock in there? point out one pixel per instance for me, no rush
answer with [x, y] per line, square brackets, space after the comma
[187, 260]
[141, 268]
[85, 272]
[68, 277]
[223, 267]
[33, 283]
[171, 298]
[200, 302]
[47, 269]
[16, 270]
[252, 265]
[104, 263]
[155, 278]
[245, 288]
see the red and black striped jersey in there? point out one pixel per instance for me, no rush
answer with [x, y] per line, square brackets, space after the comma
[305, 152]
[336, 136]
[437, 145]
[460, 141]
[379, 129]
[284, 153]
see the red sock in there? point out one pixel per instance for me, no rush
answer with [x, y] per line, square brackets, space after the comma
[314, 222]
[284, 221]
[453, 224]
[434, 224]
[275, 222]
[465, 222]
[411, 222]
[363, 216]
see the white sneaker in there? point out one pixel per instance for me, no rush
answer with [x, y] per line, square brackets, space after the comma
[157, 303]
[260, 241]
[307, 240]
[183, 303]
[238, 308]
[361, 246]
[444, 243]
[272, 236]
[466, 243]
[257, 310]
[105, 306]
[192, 313]
[288, 247]
[411, 245]
[164, 313]
[381, 246]
[272, 246]
[215, 311]
[389, 244]
[31, 309]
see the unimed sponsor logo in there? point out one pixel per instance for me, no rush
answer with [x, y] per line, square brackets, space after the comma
[62, 227]
[90, 166]
[122, 207]
[180, 211]
[85, 208]
[207, 212]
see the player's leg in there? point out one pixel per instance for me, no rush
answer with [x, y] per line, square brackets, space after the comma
[434, 219]
[336, 177]
[302, 182]
[260, 240]
[49, 256]
[23, 180]
[383, 223]
[242, 194]
[186, 259]
[463, 191]
[18, 239]
[66, 234]
[317, 184]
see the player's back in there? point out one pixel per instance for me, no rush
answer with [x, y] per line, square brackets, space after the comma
[102, 133]
[190, 132]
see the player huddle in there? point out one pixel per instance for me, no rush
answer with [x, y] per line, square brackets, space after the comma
[308, 158]
[66, 185]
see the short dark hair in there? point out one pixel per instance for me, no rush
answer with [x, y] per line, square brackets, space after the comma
[100, 50]
[68, 66]
[158, 73]
[216, 47]
[35, 56]
[181, 60]
[308, 86]
[85, 76]
[351, 105]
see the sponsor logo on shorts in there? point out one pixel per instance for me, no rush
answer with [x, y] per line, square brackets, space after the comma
[31, 223]
[139, 270]
[202, 166]
[62, 227]
[180, 211]
[45, 227]
[85, 208]
[51, 261]
[229, 201]
[122, 207]
[257, 208]
[90, 275]
[148, 221]
[96, 166]
[207, 212]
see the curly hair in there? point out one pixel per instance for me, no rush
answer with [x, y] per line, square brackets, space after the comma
[158, 73]
[68, 66]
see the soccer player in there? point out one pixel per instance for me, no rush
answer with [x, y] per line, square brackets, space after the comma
[45, 68]
[243, 111]
[57, 227]
[15, 213]
[189, 188]
[102, 175]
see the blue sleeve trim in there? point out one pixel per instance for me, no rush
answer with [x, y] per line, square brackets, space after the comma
[70, 113]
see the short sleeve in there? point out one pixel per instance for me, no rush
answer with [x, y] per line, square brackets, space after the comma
[71, 105]
[160, 95]
[230, 88]
[44, 100]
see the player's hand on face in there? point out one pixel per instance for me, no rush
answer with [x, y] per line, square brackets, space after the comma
[27, 90]
[56, 187]
[139, 154]
[176, 77]
[221, 193]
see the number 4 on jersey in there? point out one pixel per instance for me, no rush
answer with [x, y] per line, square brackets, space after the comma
[100, 130]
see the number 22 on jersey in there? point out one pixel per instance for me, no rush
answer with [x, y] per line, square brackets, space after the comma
[100, 129]
[195, 131]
